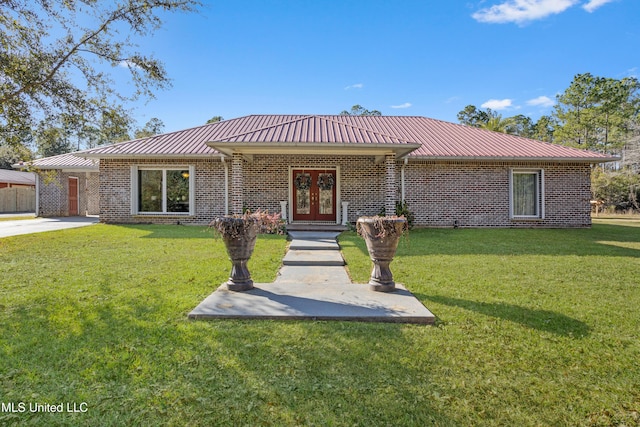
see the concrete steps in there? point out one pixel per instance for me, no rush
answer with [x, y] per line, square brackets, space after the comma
[297, 227]
[313, 249]
[313, 284]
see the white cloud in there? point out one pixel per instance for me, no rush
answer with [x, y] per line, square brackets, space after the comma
[541, 101]
[521, 11]
[405, 105]
[497, 104]
[594, 4]
[354, 86]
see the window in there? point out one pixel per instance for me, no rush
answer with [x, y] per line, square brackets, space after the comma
[159, 191]
[527, 188]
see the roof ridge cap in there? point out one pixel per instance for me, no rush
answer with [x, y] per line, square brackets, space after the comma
[301, 117]
[369, 130]
[329, 118]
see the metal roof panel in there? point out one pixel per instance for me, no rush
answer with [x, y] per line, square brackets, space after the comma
[17, 177]
[437, 139]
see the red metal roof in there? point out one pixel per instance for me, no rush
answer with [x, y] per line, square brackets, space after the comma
[64, 161]
[312, 129]
[437, 139]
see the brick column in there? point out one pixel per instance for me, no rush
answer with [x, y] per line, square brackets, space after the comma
[390, 184]
[237, 184]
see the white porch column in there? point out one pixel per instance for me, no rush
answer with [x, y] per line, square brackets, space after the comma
[237, 182]
[345, 213]
[283, 211]
[390, 184]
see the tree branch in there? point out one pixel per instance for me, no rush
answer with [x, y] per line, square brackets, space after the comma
[113, 17]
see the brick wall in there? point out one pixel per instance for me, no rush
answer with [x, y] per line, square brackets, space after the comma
[237, 184]
[477, 194]
[361, 180]
[391, 184]
[115, 191]
[474, 194]
[54, 193]
[92, 193]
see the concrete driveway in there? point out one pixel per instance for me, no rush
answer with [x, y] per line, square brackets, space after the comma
[39, 225]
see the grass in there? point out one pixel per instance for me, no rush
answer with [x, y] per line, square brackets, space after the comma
[535, 327]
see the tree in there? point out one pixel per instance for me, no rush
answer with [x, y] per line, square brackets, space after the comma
[153, 127]
[358, 110]
[544, 128]
[487, 119]
[472, 116]
[631, 149]
[215, 119]
[53, 140]
[10, 155]
[619, 188]
[63, 134]
[497, 124]
[54, 54]
[520, 124]
[114, 126]
[594, 111]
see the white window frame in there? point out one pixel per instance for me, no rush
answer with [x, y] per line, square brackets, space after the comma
[539, 189]
[135, 185]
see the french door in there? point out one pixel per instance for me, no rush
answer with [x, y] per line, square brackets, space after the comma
[314, 194]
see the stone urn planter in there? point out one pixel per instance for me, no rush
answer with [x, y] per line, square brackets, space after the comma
[239, 234]
[382, 234]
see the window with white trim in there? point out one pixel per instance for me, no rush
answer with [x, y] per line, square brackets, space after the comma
[162, 190]
[527, 193]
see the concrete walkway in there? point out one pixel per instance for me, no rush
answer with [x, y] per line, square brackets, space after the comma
[39, 225]
[313, 284]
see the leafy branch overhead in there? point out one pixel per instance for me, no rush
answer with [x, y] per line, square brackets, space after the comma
[60, 56]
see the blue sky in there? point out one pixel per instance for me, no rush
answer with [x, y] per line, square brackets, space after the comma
[402, 57]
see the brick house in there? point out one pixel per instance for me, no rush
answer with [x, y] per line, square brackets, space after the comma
[332, 169]
[66, 185]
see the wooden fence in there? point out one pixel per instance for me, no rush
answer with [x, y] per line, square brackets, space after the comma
[17, 199]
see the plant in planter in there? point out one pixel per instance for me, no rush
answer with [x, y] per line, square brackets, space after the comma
[239, 233]
[381, 234]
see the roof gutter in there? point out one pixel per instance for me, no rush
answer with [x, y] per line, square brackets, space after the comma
[34, 168]
[145, 156]
[519, 159]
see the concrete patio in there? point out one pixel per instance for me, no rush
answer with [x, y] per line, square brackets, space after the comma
[313, 284]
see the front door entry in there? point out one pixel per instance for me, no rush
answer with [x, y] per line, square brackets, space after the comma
[314, 195]
[73, 196]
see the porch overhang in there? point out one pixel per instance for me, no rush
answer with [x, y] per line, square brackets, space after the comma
[249, 149]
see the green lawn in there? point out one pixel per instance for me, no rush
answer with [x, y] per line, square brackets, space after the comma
[535, 327]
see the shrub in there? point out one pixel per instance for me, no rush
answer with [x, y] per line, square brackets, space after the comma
[619, 189]
[402, 209]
